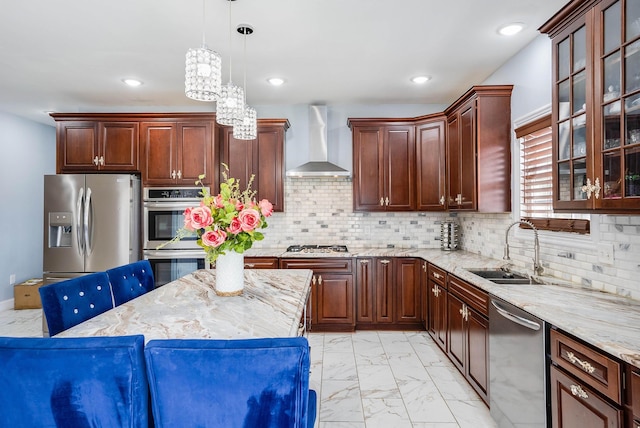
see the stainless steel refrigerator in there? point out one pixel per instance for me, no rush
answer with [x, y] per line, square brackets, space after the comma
[91, 223]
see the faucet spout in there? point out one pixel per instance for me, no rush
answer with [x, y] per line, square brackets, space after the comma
[537, 266]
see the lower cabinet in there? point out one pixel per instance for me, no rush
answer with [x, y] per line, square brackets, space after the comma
[437, 305]
[633, 397]
[388, 293]
[332, 292]
[260, 262]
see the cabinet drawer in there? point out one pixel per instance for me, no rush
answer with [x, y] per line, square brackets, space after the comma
[319, 265]
[261, 262]
[591, 366]
[437, 275]
[471, 295]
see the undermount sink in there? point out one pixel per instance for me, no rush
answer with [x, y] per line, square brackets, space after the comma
[500, 276]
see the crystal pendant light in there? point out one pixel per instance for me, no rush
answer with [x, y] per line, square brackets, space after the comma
[203, 71]
[247, 127]
[230, 105]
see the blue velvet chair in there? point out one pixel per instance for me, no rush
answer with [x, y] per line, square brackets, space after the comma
[244, 383]
[130, 281]
[74, 382]
[68, 303]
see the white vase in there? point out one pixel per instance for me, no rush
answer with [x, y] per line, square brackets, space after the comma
[230, 274]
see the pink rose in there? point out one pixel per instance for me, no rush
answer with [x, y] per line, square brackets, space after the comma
[187, 219]
[239, 205]
[235, 227]
[249, 219]
[214, 238]
[218, 201]
[199, 218]
[266, 208]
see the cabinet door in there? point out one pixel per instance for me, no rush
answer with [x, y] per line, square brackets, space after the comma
[368, 167]
[194, 152]
[408, 306]
[334, 298]
[437, 314]
[269, 161]
[399, 142]
[467, 157]
[239, 156]
[430, 166]
[118, 146]
[77, 146]
[424, 294]
[158, 152]
[456, 334]
[573, 405]
[477, 361]
[453, 161]
[364, 290]
[384, 298]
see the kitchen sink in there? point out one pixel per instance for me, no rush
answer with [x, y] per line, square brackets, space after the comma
[500, 276]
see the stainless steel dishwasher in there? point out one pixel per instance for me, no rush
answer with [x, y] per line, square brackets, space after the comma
[517, 374]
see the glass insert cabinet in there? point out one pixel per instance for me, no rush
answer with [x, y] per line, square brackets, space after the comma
[596, 106]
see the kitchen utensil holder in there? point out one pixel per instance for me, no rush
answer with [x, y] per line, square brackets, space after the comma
[449, 235]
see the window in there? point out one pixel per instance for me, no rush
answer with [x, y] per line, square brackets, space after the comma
[536, 180]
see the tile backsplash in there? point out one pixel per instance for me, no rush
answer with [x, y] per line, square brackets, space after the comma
[320, 211]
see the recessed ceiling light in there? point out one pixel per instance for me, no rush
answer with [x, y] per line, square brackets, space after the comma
[132, 82]
[275, 81]
[420, 79]
[511, 29]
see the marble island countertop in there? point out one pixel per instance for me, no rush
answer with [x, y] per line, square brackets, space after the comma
[607, 321]
[271, 305]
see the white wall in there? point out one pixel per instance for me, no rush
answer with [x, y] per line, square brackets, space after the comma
[28, 152]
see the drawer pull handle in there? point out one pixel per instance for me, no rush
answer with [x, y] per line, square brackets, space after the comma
[437, 275]
[385, 261]
[578, 392]
[585, 365]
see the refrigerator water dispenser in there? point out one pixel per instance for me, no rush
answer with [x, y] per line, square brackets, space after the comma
[60, 227]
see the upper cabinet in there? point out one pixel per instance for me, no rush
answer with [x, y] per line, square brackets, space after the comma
[596, 106]
[431, 163]
[176, 151]
[479, 150]
[263, 158]
[383, 165]
[91, 143]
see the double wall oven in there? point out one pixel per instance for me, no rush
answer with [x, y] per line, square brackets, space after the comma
[162, 217]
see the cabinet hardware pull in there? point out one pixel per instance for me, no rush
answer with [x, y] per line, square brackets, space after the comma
[385, 261]
[381, 201]
[173, 174]
[578, 392]
[459, 199]
[95, 160]
[424, 266]
[249, 265]
[442, 200]
[437, 275]
[179, 174]
[596, 188]
[313, 280]
[584, 364]
[364, 262]
[319, 279]
[386, 201]
[101, 161]
[435, 291]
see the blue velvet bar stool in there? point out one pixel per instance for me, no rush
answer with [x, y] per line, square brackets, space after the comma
[230, 383]
[73, 382]
[68, 303]
[130, 281]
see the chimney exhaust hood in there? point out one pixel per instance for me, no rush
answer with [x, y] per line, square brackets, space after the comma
[318, 165]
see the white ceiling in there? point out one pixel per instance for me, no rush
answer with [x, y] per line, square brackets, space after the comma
[71, 55]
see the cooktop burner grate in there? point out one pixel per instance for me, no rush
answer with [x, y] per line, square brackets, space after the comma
[317, 249]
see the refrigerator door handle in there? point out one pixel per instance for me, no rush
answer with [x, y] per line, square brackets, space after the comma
[87, 224]
[79, 228]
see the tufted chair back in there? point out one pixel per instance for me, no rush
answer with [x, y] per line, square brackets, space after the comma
[75, 300]
[73, 382]
[130, 281]
[230, 383]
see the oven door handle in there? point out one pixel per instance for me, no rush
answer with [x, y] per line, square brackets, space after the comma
[174, 254]
[516, 318]
[165, 206]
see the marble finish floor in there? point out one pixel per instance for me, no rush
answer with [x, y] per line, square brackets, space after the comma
[364, 379]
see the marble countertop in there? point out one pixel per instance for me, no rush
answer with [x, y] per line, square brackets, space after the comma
[271, 305]
[607, 321]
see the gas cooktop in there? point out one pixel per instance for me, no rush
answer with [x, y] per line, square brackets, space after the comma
[317, 249]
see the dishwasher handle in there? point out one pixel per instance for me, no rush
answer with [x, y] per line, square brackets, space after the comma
[532, 325]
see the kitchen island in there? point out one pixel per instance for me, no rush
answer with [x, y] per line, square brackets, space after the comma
[272, 305]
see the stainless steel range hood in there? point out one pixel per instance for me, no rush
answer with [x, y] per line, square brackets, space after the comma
[318, 165]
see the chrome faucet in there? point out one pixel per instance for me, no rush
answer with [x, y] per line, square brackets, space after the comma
[537, 266]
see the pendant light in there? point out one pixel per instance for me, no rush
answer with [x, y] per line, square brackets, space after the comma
[247, 127]
[230, 105]
[203, 71]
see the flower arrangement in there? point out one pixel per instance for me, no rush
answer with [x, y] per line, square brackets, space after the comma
[228, 221]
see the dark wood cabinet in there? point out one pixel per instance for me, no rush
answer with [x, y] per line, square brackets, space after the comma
[332, 291]
[633, 397]
[92, 143]
[596, 106]
[468, 333]
[384, 291]
[260, 262]
[437, 305]
[424, 293]
[479, 150]
[262, 158]
[408, 308]
[431, 163]
[177, 152]
[383, 165]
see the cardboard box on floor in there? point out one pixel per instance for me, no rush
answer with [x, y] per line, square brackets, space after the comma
[26, 295]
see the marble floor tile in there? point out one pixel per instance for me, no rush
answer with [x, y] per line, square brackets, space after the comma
[343, 425]
[471, 414]
[377, 381]
[339, 366]
[338, 342]
[424, 402]
[341, 401]
[451, 384]
[385, 413]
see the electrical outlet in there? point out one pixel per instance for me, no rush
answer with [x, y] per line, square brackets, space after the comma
[605, 254]
[12, 279]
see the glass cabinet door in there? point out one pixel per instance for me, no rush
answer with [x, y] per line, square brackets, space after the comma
[617, 141]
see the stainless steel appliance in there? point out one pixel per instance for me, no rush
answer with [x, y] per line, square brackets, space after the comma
[317, 249]
[517, 374]
[162, 217]
[91, 223]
